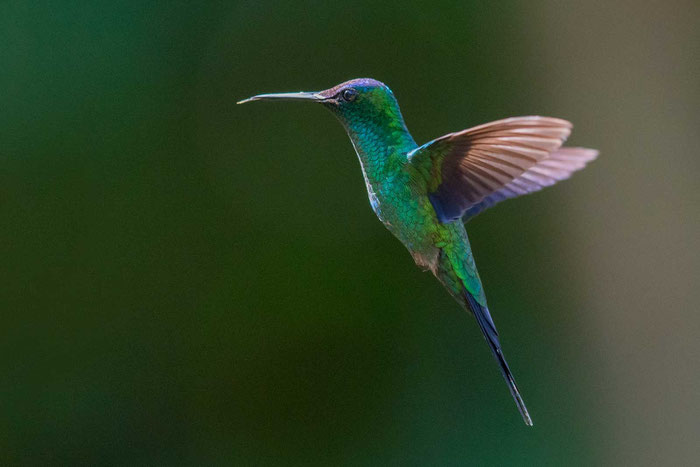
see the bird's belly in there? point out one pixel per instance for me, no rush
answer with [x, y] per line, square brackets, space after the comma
[411, 218]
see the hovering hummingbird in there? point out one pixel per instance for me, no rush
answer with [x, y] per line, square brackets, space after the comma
[425, 194]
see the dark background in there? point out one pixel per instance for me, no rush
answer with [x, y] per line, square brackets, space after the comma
[185, 281]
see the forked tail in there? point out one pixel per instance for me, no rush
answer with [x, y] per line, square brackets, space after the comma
[483, 317]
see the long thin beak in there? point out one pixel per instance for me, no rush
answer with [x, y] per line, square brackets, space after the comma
[287, 96]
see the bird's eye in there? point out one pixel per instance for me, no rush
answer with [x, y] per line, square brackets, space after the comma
[349, 95]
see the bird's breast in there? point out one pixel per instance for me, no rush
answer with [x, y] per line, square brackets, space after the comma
[407, 213]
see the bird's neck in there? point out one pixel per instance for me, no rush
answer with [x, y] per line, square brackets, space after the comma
[381, 148]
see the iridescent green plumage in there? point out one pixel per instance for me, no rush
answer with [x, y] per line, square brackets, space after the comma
[420, 193]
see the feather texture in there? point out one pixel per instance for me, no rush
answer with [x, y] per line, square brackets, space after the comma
[559, 165]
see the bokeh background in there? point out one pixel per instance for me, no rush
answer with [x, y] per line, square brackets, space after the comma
[185, 281]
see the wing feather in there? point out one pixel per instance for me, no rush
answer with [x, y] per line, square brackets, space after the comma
[558, 166]
[468, 166]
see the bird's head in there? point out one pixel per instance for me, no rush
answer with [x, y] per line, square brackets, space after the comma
[364, 105]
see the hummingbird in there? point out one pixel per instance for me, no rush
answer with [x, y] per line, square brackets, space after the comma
[425, 194]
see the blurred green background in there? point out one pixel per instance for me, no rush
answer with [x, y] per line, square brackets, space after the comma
[185, 281]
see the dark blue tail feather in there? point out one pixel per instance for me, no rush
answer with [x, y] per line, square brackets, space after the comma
[483, 317]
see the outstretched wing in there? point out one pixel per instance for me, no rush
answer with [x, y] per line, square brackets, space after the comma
[464, 168]
[559, 165]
